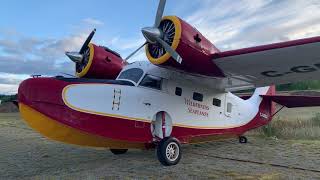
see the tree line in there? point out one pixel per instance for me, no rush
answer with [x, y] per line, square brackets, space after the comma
[6, 98]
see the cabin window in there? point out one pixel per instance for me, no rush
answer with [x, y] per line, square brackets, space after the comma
[178, 91]
[151, 82]
[216, 102]
[133, 74]
[229, 107]
[197, 97]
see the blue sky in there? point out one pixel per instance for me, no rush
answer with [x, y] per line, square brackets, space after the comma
[34, 34]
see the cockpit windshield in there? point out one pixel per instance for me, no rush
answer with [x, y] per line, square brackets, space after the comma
[133, 74]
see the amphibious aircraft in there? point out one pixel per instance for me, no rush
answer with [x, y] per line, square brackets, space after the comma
[184, 94]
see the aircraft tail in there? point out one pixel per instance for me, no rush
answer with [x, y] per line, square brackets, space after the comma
[262, 91]
[265, 100]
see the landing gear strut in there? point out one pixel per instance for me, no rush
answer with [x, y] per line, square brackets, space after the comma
[243, 139]
[118, 151]
[169, 151]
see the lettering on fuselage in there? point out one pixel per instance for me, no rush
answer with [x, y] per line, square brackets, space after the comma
[197, 108]
[295, 69]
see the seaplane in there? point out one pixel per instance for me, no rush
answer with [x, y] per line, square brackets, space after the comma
[183, 94]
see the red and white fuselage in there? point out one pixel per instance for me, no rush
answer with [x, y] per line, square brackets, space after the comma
[142, 105]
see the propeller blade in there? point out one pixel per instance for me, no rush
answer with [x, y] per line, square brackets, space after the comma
[159, 14]
[134, 52]
[86, 43]
[169, 49]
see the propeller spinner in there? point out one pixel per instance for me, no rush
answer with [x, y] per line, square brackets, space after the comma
[80, 57]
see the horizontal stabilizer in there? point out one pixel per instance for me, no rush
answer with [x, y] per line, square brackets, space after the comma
[294, 101]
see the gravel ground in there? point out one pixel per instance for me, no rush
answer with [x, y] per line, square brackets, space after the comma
[24, 154]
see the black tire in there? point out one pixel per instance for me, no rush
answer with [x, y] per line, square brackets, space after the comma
[163, 151]
[243, 139]
[118, 151]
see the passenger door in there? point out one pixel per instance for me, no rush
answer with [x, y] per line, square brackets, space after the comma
[228, 106]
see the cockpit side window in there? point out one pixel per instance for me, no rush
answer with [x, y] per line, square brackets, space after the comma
[133, 74]
[151, 82]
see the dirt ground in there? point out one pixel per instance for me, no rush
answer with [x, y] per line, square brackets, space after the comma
[24, 154]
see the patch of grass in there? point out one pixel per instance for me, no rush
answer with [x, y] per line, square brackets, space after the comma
[316, 119]
[292, 129]
[272, 176]
[269, 130]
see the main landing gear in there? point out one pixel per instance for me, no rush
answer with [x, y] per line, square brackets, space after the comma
[118, 151]
[169, 151]
[243, 139]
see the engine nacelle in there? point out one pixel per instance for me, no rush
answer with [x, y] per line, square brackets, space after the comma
[191, 45]
[100, 63]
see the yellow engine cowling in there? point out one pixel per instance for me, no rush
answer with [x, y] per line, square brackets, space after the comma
[195, 50]
[100, 63]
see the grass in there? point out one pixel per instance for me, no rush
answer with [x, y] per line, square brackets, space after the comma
[316, 119]
[284, 128]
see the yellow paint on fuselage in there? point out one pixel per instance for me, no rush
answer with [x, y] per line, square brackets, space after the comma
[54, 130]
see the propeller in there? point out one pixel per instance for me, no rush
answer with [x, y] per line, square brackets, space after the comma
[158, 36]
[80, 57]
[134, 52]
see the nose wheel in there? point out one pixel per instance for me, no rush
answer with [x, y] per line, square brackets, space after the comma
[169, 151]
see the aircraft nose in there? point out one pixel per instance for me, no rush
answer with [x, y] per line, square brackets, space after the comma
[23, 91]
[36, 91]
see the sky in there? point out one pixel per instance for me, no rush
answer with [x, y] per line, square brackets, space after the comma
[35, 34]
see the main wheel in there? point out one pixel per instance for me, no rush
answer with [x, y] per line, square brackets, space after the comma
[243, 139]
[118, 151]
[169, 151]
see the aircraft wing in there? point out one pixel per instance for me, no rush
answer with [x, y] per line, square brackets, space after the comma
[278, 63]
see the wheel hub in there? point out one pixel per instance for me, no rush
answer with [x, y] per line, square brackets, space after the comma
[172, 151]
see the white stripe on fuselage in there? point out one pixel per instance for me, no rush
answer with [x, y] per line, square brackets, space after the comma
[142, 104]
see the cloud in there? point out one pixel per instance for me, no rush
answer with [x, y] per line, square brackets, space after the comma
[226, 23]
[237, 24]
[7, 78]
[139, 56]
[91, 21]
[126, 46]
[8, 88]
[22, 56]
[33, 55]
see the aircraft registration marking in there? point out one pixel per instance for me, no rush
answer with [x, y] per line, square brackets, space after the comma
[295, 69]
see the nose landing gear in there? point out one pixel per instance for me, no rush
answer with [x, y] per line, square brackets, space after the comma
[169, 151]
